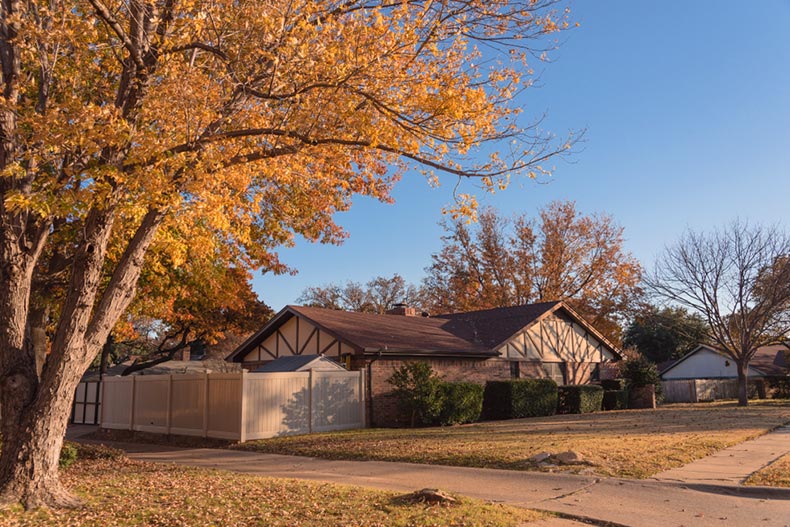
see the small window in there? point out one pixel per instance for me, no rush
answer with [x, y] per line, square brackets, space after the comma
[515, 370]
[555, 371]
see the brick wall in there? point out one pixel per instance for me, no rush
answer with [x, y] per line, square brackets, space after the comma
[383, 407]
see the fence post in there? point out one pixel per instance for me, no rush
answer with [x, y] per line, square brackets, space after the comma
[205, 404]
[361, 398]
[131, 406]
[310, 402]
[243, 409]
[102, 399]
[168, 418]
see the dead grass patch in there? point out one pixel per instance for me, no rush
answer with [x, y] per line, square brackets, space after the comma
[629, 443]
[777, 474]
[127, 493]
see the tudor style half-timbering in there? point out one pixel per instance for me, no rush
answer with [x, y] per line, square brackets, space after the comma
[536, 340]
[292, 335]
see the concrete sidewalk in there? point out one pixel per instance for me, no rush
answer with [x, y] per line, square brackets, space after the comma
[733, 465]
[604, 501]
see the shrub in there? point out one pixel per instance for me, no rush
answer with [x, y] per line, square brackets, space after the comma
[462, 402]
[580, 398]
[778, 387]
[615, 399]
[612, 384]
[640, 372]
[68, 454]
[519, 398]
[417, 390]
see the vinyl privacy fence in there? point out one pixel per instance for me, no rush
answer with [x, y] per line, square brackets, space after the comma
[236, 406]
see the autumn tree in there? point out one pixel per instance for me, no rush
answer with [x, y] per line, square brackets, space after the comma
[563, 255]
[736, 279]
[662, 334]
[200, 302]
[134, 126]
[376, 296]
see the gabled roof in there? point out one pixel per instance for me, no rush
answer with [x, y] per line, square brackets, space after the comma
[767, 360]
[300, 363]
[468, 334]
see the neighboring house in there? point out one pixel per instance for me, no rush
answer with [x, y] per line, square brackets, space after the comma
[537, 340]
[706, 362]
[292, 363]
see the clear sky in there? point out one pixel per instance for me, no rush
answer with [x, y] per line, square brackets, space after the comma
[687, 112]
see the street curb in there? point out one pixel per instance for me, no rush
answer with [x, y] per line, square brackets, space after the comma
[578, 518]
[742, 491]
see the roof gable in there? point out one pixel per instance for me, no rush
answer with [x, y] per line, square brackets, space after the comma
[767, 360]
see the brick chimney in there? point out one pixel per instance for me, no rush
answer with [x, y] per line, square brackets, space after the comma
[402, 309]
[184, 354]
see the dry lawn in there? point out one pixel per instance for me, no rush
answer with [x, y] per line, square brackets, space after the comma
[777, 474]
[628, 443]
[128, 493]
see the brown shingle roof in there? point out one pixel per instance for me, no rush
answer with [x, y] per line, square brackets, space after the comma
[391, 333]
[771, 360]
[491, 327]
[469, 334]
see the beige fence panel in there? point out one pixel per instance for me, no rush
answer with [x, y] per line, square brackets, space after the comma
[224, 405]
[277, 404]
[188, 405]
[152, 404]
[235, 406]
[116, 408]
[337, 401]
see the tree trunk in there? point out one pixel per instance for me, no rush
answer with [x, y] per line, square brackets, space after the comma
[743, 389]
[32, 439]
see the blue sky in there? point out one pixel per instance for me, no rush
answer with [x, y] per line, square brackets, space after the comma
[687, 112]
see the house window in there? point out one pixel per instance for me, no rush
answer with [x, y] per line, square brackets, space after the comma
[515, 372]
[555, 371]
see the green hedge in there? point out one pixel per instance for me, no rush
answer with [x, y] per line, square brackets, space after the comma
[778, 387]
[612, 384]
[615, 399]
[519, 398]
[462, 402]
[580, 398]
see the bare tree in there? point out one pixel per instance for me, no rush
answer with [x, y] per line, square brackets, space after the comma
[737, 279]
[376, 296]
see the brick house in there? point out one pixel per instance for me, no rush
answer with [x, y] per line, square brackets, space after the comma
[547, 339]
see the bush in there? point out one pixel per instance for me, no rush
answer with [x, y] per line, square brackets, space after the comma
[68, 454]
[462, 402]
[519, 398]
[580, 398]
[778, 387]
[417, 390]
[612, 384]
[640, 372]
[615, 399]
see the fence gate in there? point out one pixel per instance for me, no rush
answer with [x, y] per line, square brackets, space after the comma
[87, 403]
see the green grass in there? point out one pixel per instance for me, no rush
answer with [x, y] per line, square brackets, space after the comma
[629, 443]
[127, 493]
